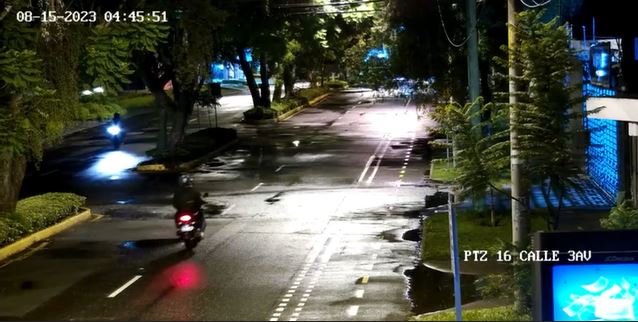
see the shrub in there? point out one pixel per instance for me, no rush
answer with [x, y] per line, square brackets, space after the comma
[336, 84]
[622, 216]
[10, 230]
[45, 210]
[259, 113]
[311, 93]
[38, 212]
[97, 111]
[288, 104]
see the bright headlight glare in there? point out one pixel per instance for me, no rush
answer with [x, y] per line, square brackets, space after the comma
[114, 130]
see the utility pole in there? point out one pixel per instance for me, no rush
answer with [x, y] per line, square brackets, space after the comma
[520, 218]
[473, 76]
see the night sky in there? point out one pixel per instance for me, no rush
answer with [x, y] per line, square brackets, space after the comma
[613, 17]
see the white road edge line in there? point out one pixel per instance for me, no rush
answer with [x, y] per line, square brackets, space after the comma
[123, 287]
[280, 167]
[256, 187]
[227, 209]
[365, 169]
[376, 167]
[359, 293]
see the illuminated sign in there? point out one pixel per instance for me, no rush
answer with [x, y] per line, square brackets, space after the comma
[595, 292]
[602, 286]
[600, 64]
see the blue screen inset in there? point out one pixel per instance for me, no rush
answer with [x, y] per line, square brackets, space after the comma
[595, 292]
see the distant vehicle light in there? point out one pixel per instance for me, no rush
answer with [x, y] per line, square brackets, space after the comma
[114, 130]
[86, 92]
[185, 218]
[295, 143]
[98, 90]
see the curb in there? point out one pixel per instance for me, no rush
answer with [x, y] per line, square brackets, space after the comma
[26, 242]
[259, 122]
[161, 168]
[286, 116]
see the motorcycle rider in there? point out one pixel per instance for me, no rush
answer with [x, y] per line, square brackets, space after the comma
[116, 130]
[187, 198]
[116, 119]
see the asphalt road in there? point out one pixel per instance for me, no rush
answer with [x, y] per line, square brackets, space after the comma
[305, 219]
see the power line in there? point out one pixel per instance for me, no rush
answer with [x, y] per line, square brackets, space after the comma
[448, 36]
[536, 4]
[307, 5]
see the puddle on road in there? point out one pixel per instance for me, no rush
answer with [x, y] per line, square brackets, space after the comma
[430, 290]
[148, 243]
[412, 235]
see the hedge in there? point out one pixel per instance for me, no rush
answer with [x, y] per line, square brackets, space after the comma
[38, 212]
[501, 313]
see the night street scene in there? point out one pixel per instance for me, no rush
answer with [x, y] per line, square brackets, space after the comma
[318, 160]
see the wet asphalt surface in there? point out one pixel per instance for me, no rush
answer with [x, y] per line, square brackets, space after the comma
[305, 222]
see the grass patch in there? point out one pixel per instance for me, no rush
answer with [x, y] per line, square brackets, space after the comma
[443, 170]
[474, 233]
[500, 313]
[287, 104]
[38, 212]
[137, 101]
[311, 93]
[336, 84]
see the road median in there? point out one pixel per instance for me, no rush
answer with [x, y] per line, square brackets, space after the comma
[286, 116]
[196, 150]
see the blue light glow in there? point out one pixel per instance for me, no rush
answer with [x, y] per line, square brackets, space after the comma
[114, 165]
[602, 292]
[381, 53]
[602, 151]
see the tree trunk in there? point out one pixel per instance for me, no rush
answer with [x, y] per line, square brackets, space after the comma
[162, 103]
[276, 96]
[184, 102]
[492, 215]
[180, 118]
[550, 208]
[289, 80]
[12, 171]
[265, 86]
[250, 78]
[150, 74]
[323, 71]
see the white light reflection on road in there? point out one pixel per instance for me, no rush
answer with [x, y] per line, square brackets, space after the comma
[114, 165]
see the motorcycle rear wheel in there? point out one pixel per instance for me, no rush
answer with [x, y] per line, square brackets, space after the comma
[191, 243]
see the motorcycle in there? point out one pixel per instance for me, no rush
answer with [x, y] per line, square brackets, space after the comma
[188, 228]
[116, 135]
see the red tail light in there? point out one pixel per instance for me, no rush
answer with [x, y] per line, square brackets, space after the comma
[185, 218]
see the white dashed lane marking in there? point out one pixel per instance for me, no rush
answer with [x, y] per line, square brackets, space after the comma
[123, 287]
[257, 187]
[353, 310]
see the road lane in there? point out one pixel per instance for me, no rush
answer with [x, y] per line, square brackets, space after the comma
[308, 220]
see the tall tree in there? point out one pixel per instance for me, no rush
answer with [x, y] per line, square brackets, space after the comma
[545, 60]
[40, 81]
[483, 160]
[183, 60]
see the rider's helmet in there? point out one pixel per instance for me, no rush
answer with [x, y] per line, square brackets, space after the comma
[185, 181]
[116, 117]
